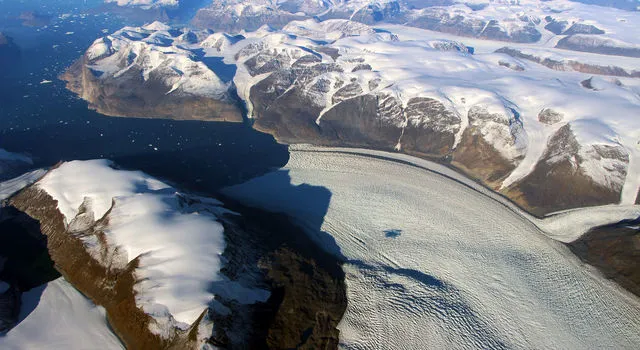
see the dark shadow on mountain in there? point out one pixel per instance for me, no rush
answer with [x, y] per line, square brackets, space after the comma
[24, 247]
[305, 204]
[287, 254]
[30, 301]
[25, 265]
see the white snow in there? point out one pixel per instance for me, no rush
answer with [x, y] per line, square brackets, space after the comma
[178, 245]
[410, 62]
[154, 52]
[465, 270]
[9, 187]
[74, 181]
[145, 4]
[57, 316]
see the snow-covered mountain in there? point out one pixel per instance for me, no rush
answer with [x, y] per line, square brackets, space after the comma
[524, 21]
[143, 71]
[527, 120]
[151, 256]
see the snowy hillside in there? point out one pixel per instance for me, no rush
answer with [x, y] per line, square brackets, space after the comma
[139, 241]
[149, 72]
[440, 97]
[57, 316]
[156, 54]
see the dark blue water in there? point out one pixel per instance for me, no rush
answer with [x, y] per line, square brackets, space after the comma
[50, 124]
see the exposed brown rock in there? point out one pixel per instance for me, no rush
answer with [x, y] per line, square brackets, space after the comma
[549, 116]
[557, 182]
[111, 288]
[615, 251]
[515, 67]
[431, 127]
[131, 96]
[564, 65]
[308, 294]
[478, 158]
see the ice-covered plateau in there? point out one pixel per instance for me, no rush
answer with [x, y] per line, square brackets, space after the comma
[550, 137]
[150, 255]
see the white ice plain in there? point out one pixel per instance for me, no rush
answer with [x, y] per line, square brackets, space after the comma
[433, 263]
[62, 319]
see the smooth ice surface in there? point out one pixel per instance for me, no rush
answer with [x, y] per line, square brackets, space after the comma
[461, 269]
[57, 316]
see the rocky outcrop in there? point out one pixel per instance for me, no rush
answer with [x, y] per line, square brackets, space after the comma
[571, 174]
[479, 152]
[599, 45]
[564, 65]
[613, 249]
[112, 289]
[235, 15]
[336, 87]
[563, 27]
[301, 277]
[549, 116]
[443, 20]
